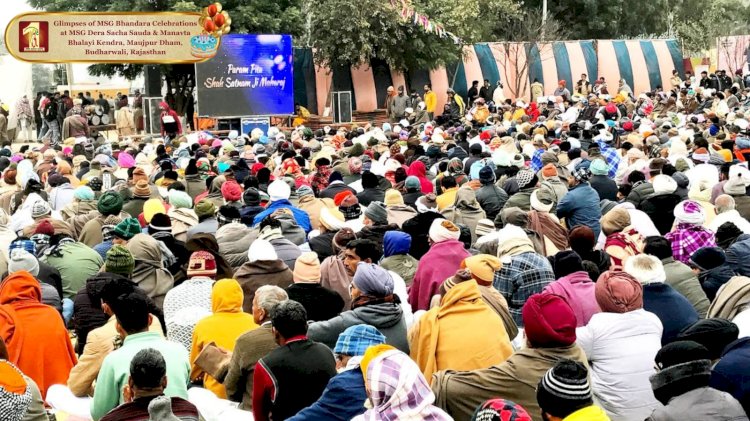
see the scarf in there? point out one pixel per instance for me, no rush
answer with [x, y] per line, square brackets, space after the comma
[686, 239]
[514, 246]
[545, 225]
[366, 300]
[320, 178]
[56, 250]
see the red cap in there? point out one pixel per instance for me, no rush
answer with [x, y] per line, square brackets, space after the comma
[341, 196]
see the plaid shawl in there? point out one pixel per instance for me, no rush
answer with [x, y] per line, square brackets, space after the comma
[398, 391]
[610, 154]
[687, 238]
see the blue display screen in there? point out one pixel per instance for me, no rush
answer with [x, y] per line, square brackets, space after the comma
[250, 75]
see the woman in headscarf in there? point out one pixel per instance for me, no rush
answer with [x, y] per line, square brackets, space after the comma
[689, 235]
[417, 169]
[149, 272]
[319, 179]
[620, 344]
[396, 387]
[554, 236]
[333, 273]
[623, 241]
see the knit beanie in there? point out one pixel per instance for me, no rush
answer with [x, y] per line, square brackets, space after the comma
[683, 366]
[110, 203]
[484, 227]
[251, 197]
[393, 198]
[228, 214]
[307, 268]
[127, 229]
[482, 268]
[141, 189]
[486, 175]
[45, 227]
[204, 209]
[179, 199]
[377, 213]
[565, 262]
[160, 222]
[412, 183]
[84, 193]
[119, 261]
[305, 190]
[549, 171]
[23, 260]
[40, 208]
[202, 263]
[707, 258]
[564, 389]
[714, 333]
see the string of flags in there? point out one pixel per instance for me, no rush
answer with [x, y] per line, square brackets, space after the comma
[409, 14]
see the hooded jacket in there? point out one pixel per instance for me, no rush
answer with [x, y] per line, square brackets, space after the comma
[253, 275]
[234, 240]
[417, 169]
[34, 333]
[223, 327]
[387, 317]
[396, 256]
[578, 291]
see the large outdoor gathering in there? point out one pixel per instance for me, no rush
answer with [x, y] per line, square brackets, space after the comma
[375, 210]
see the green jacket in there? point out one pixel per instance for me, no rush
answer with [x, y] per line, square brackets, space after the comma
[77, 263]
[115, 371]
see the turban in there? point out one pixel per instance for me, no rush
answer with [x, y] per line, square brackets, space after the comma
[180, 199]
[373, 280]
[482, 268]
[443, 230]
[125, 160]
[151, 207]
[110, 203]
[84, 193]
[689, 212]
[261, 250]
[279, 190]
[618, 292]
[548, 321]
[231, 191]
[205, 208]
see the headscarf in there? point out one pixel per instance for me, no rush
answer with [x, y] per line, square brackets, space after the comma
[373, 280]
[618, 292]
[443, 230]
[398, 390]
[690, 212]
[149, 272]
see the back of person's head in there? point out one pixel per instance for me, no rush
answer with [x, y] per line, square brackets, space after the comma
[448, 182]
[564, 389]
[724, 203]
[646, 269]
[132, 312]
[114, 288]
[289, 319]
[658, 247]
[636, 176]
[369, 180]
[681, 366]
[269, 221]
[365, 249]
[268, 296]
[582, 239]
[591, 268]
[148, 370]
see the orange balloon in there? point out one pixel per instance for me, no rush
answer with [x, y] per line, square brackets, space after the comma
[209, 25]
[219, 20]
[212, 10]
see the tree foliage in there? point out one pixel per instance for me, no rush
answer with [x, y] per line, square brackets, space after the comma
[352, 32]
[717, 18]
[473, 20]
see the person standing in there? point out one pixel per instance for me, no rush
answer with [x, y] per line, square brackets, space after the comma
[486, 91]
[675, 79]
[50, 117]
[38, 115]
[473, 93]
[138, 112]
[103, 103]
[430, 101]
[537, 90]
[583, 87]
[170, 122]
[25, 118]
[398, 105]
[294, 375]
[4, 122]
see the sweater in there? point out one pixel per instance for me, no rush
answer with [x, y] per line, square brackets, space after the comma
[115, 371]
[290, 378]
[249, 348]
[673, 309]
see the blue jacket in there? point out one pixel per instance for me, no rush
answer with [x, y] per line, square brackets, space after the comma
[302, 218]
[343, 399]
[737, 253]
[581, 207]
[732, 373]
[671, 307]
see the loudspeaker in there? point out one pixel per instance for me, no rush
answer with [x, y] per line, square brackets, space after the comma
[152, 80]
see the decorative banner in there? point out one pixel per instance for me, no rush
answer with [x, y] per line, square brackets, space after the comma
[409, 14]
[117, 37]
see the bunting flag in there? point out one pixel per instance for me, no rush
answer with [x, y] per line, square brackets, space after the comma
[409, 14]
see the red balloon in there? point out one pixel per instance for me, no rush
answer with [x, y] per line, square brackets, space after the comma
[209, 25]
[212, 10]
[220, 20]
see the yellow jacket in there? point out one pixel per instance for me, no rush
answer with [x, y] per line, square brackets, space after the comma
[463, 334]
[223, 328]
[430, 101]
[447, 198]
[589, 413]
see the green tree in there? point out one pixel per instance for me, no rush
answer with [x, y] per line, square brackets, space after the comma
[352, 32]
[718, 18]
[473, 20]
[265, 16]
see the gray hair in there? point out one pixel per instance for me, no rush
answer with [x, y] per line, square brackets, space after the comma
[269, 296]
[724, 203]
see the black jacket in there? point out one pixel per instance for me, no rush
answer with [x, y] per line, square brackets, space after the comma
[492, 199]
[605, 187]
[712, 280]
[320, 303]
[660, 208]
[370, 195]
[410, 198]
[323, 245]
[333, 189]
[376, 233]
